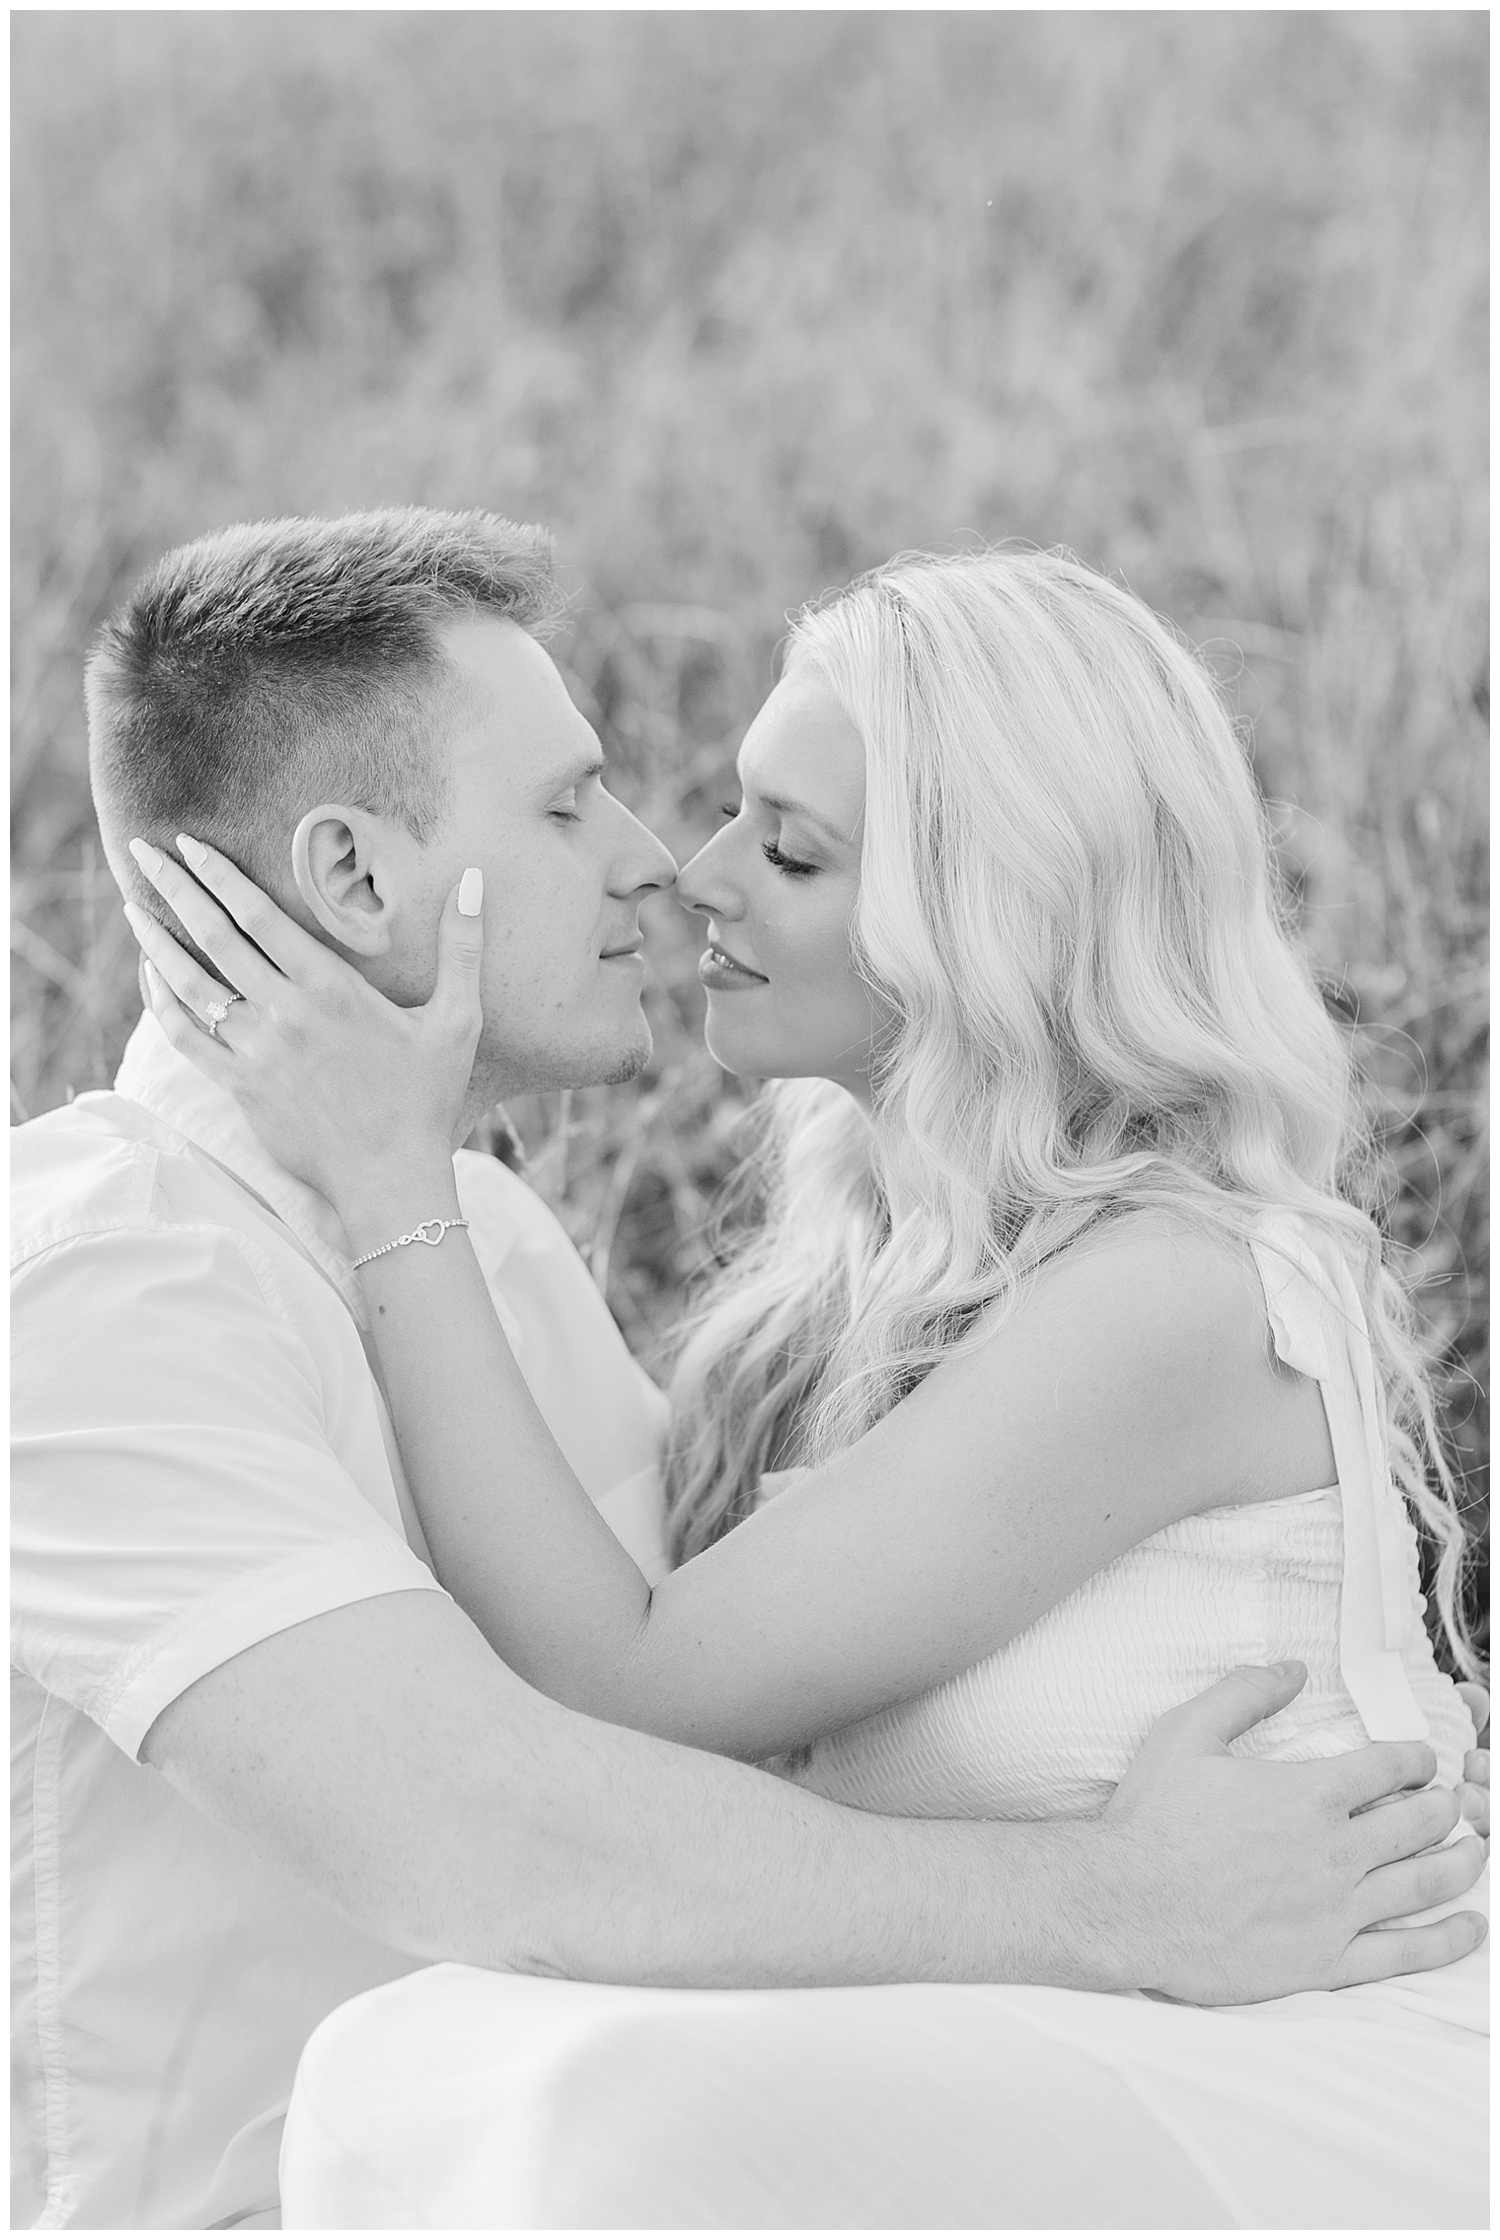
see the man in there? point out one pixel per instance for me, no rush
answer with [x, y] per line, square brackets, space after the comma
[263, 1762]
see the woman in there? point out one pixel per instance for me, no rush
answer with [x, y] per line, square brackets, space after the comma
[1074, 1371]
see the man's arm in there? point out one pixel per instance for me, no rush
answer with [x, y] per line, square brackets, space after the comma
[385, 1756]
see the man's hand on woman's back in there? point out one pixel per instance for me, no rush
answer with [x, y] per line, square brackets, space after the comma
[1474, 1791]
[1250, 1878]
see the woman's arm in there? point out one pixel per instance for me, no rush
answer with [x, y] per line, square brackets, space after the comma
[1135, 1386]
[1122, 1397]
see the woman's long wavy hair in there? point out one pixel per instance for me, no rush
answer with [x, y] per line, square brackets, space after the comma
[1069, 902]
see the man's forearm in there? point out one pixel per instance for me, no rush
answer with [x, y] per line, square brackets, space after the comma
[1208, 1877]
[642, 1863]
[386, 1758]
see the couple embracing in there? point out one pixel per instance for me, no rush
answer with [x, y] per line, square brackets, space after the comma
[1005, 1658]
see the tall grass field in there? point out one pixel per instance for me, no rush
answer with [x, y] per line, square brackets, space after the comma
[740, 304]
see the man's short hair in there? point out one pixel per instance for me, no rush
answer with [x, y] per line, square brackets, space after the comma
[277, 664]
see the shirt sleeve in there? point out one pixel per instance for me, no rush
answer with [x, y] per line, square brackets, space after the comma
[175, 1497]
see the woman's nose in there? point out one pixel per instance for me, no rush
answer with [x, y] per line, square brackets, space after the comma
[704, 883]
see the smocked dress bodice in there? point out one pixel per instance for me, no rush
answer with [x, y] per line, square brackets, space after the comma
[1046, 1726]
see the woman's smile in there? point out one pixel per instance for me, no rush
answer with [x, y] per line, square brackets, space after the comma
[724, 973]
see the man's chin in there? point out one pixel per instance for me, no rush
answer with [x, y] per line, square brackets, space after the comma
[606, 1065]
[631, 1058]
[628, 1066]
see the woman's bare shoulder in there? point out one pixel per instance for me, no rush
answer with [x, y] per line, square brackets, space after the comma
[1158, 1320]
[1178, 1274]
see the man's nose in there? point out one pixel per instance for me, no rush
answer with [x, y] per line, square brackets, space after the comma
[641, 860]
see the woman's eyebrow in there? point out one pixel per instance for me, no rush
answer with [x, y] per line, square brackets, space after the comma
[784, 808]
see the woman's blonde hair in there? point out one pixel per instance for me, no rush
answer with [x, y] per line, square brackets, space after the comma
[1068, 900]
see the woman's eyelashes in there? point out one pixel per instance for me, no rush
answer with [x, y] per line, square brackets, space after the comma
[790, 865]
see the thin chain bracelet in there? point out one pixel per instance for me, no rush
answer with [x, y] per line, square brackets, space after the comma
[418, 1236]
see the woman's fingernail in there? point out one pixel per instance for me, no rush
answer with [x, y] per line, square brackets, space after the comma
[192, 851]
[471, 894]
[146, 856]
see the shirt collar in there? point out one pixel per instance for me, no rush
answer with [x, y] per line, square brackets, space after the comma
[171, 1088]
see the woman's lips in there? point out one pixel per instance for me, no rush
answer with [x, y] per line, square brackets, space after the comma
[716, 969]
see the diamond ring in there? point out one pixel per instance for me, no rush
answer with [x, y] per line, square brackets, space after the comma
[217, 1013]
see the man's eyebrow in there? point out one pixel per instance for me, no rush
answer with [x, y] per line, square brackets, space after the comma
[784, 808]
[588, 765]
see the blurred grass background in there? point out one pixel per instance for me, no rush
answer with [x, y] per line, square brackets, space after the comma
[741, 304]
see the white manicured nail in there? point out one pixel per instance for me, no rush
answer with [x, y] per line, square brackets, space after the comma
[471, 894]
[191, 851]
[146, 856]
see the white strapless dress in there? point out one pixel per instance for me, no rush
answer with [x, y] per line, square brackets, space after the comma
[1047, 1726]
[460, 2098]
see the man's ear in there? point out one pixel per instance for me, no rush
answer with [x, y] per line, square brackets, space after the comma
[343, 861]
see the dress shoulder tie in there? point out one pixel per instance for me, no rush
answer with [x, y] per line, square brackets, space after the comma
[1318, 1325]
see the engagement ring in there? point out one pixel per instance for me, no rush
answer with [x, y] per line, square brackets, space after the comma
[217, 1013]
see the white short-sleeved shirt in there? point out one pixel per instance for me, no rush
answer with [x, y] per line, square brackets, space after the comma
[203, 1458]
